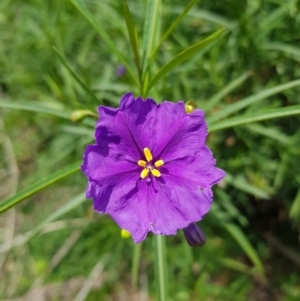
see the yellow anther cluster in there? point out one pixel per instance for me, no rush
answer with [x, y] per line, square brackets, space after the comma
[147, 165]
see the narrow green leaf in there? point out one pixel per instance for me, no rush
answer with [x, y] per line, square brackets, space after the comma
[133, 36]
[150, 37]
[62, 210]
[79, 130]
[228, 204]
[160, 267]
[271, 21]
[223, 92]
[76, 77]
[290, 50]
[244, 119]
[245, 244]
[183, 56]
[172, 27]
[104, 35]
[150, 28]
[270, 132]
[33, 106]
[235, 265]
[242, 184]
[65, 208]
[38, 186]
[243, 103]
[208, 16]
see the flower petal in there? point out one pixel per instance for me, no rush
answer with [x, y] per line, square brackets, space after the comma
[106, 176]
[139, 116]
[113, 135]
[191, 201]
[183, 138]
[198, 168]
[129, 210]
[165, 129]
[148, 207]
[154, 207]
[112, 193]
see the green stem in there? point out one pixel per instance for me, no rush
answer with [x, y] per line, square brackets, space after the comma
[135, 265]
[160, 264]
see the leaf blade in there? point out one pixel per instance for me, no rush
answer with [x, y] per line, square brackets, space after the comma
[223, 92]
[183, 56]
[150, 28]
[245, 119]
[76, 76]
[33, 106]
[38, 186]
[172, 27]
[83, 10]
[133, 36]
[251, 100]
[245, 244]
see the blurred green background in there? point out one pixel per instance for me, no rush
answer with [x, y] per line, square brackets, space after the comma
[252, 249]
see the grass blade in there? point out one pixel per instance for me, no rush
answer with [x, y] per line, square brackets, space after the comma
[76, 77]
[133, 36]
[172, 27]
[242, 184]
[206, 15]
[245, 244]
[290, 50]
[38, 186]
[150, 28]
[34, 106]
[244, 119]
[104, 35]
[160, 266]
[151, 32]
[236, 265]
[270, 132]
[65, 208]
[231, 86]
[252, 99]
[183, 56]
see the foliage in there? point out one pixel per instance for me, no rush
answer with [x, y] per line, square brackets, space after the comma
[58, 57]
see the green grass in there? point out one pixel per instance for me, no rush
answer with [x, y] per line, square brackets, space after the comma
[258, 53]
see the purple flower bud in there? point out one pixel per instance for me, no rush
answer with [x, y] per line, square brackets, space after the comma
[194, 235]
[121, 70]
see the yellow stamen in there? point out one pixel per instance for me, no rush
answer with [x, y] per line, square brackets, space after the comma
[125, 233]
[159, 163]
[142, 163]
[148, 154]
[155, 172]
[144, 173]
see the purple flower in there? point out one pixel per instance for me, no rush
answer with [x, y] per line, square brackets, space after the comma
[150, 168]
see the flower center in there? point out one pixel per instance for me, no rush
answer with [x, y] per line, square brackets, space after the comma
[148, 166]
